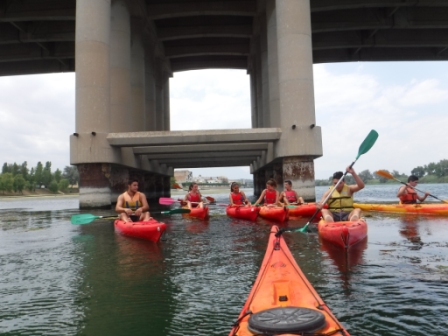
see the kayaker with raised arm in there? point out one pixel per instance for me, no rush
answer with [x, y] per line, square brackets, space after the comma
[289, 196]
[194, 198]
[340, 203]
[132, 204]
[237, 197]
[270, 196]
[407, 193]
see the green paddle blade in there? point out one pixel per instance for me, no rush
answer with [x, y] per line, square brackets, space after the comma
[87, 218]
[175, 211]
[368, 142]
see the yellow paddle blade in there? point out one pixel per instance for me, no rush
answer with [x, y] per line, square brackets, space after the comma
[385, 174]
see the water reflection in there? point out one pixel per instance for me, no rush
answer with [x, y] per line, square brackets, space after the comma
[409, 229]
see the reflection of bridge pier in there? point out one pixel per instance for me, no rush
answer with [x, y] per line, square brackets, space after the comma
[125, 51]
[122, 104]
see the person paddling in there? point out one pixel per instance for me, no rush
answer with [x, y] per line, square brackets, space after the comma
[289, 196]
[270, 196]
[237, 197]
[407, 193]
[340, 203]
[132, 204]
[194, 198]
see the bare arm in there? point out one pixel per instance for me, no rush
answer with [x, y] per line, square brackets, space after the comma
[230, 199]
[359, 183]
[119, 208]
[321, 203]
[283, 198]
[261, 197]
[144, 207]
[401, 191]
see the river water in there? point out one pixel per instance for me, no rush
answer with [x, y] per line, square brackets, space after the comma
[60, 279]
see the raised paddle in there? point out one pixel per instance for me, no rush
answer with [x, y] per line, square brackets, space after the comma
[389, 176]
[169, 201]
[88, 218]
[368, 142]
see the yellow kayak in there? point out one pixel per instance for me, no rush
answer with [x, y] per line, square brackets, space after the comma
[420, 208]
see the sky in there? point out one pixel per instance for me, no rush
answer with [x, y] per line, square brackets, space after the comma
[405, 102]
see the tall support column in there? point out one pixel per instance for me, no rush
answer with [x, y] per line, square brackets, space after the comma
[264, 73]
[274, 100]
[89, 145]
[166, 101]
[150, 92]
[138, 99]
[253, 94]
[120, 67]
[259, 82]
[159, 97]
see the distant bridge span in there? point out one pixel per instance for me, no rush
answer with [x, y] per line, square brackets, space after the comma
[124, 52]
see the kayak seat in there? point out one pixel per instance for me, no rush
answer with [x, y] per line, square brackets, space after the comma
[285, 320]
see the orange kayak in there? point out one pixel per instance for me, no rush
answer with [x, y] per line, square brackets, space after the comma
[420, 208]
[344, 234]
[201, 213]
[304, 210]
[282, 301]
[278, 214]
[242, 212]
[149, 230]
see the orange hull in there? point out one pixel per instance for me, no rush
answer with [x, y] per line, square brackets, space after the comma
[150, 230]
[440, 209]
[201, 213]
[344, 234]
[282, 289]
[242, 212]
[304, 210]
[278, 214]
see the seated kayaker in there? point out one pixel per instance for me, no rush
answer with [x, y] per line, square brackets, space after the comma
[407, 193]
[132, 204]
[340, 203]
[193, 198]
[289, 196]
[269, 196]
[237, 197]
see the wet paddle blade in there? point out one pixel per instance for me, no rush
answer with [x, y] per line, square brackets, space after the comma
[166, 201]
[368, 143]
[211, 199]
[87, 218]
[174, 211]
[385, 174]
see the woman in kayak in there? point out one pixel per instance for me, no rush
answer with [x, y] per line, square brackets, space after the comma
[407, 193]
[193, 198]
[270, 196]
[289, 196]
[237, 197]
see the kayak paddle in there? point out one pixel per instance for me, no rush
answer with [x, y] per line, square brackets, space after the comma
[169, 201]
[389, 176]
[368, 143]
[88, 218]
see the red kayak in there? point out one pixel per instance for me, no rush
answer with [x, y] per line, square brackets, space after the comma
[344, 234]
[243, 212]
[282, 300]
[304, 210]
[278, 214]
[149, 230]
[201, 213]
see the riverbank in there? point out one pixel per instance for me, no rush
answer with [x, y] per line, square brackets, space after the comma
[40, 193]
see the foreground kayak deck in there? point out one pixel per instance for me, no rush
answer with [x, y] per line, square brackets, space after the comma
[429, 209]
[149, 230]
[201, 213]
[243, 212]
[344, 234]
[282, 301]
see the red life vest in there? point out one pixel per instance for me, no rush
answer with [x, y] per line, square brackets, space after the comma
[270, 196]
[410, 197]
[194, 197]
[237, 198]
[291, 196]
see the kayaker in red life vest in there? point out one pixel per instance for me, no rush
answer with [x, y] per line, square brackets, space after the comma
[237, 197]
[340, 203]
[270, 196]
[407, 193]
[194, 198]
[289, 196]
[132, 204]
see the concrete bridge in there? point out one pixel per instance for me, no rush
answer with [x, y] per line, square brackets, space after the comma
[125, 51]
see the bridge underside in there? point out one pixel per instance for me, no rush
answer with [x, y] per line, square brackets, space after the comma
[39, 36]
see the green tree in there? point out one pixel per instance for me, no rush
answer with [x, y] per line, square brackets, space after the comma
[7, 182]
[63, 184]
[71, 174]
[38, 174]
[15, 169]
[46, 174]
[24, 170]
[31, 180]
[442, 168]
[19, 183]
[365, 175]
[418, 171]
[57, 175]
[53, 187]
[5, 168]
